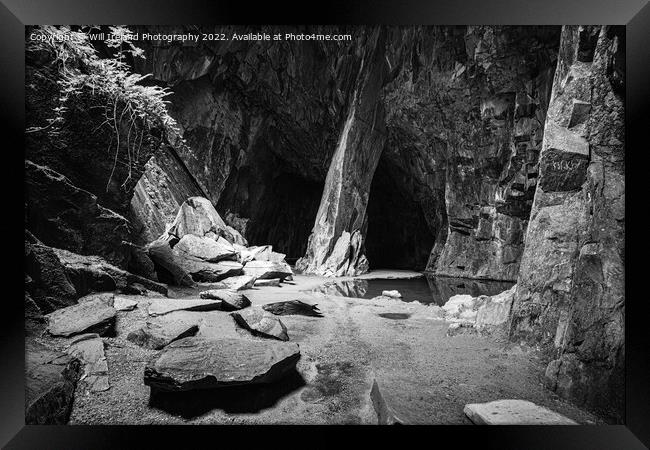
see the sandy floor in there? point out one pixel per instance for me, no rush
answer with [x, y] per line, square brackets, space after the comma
[425, 376]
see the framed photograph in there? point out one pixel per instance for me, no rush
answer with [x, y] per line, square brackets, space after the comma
[259, 223]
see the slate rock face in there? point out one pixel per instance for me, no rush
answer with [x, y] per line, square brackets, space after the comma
[198, 363]
[65, 216]
[50, 381]
[92, 316]
[570, 296]
[94, 274]
[562, 171]
[335, 246]
[49, 286]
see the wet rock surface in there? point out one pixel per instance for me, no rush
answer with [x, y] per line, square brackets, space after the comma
[197, 363]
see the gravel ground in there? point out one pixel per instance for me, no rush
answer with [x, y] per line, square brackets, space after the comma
[425, 376]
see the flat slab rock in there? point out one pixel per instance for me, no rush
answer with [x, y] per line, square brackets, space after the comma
[513, 412]
[50, 381]
[200, 363]
[261, 323]
[89, 349]
[230, 299]
[159, 332]
[158, 307]
[92, 315]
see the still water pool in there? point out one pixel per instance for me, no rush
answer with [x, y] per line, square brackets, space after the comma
[427, 289]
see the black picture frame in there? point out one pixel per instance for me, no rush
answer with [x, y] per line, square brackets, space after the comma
[634, 14]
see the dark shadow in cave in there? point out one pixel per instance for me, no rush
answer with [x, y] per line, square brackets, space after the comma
[281, 207]
[398, 235]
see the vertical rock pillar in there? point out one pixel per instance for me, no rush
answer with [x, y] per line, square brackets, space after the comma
[335, 246]
[570, 294]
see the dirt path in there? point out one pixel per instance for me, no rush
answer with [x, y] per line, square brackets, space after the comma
[425, 376]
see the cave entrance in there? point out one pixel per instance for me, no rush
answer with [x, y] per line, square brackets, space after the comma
[280, 208]
[398, 236]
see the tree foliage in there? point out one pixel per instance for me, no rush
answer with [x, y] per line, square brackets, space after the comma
[129, 108]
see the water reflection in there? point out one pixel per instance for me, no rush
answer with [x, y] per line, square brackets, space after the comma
[429, 289]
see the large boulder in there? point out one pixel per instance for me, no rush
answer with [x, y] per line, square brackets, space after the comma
[197, 216]
[495, 312]
[91, 316]
[268, 269]
[50, 381]
[199, 363]
[261, 323]
[167, 266]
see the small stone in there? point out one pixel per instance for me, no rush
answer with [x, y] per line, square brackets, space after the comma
[393, 294]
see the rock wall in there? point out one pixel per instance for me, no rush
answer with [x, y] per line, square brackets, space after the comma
[570, 290]
[465, 119]
[464, 112]
[335, 246]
